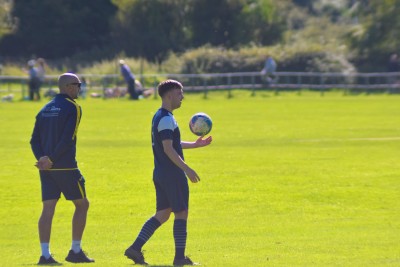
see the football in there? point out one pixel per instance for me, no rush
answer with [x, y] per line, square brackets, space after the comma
[200, 124]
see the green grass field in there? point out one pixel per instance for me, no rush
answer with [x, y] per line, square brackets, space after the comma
[289, 180]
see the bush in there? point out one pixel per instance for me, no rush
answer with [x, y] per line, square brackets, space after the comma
[306, 59]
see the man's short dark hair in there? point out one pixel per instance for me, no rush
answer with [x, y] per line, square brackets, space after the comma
[167, 86]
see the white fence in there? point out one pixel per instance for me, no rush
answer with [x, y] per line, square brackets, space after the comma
[368, 82]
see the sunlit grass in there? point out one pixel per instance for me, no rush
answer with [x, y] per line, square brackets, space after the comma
[290, 180]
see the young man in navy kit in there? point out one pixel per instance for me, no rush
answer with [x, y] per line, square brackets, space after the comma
[53, 143]
[169, 175]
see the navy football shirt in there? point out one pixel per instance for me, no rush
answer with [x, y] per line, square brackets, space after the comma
[164, 126]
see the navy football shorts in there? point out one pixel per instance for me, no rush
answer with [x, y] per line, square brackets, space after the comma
[69, 182]
[172, 193]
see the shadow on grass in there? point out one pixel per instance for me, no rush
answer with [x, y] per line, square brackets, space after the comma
[35, 264]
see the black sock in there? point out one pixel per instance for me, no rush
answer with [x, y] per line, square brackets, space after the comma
[180, 235]
[147, 231]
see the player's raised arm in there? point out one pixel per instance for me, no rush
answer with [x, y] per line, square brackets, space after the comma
[200, 142]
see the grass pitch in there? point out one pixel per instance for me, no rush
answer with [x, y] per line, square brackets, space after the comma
[289, 180]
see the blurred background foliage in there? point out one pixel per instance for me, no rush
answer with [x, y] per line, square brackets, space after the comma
[199, 36]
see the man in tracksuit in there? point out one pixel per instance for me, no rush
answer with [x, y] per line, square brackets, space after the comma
[53, 143]
[129, 79]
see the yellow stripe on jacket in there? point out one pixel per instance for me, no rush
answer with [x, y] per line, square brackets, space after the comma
[78, 117]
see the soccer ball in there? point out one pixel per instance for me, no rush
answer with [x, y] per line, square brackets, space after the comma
[200, 124]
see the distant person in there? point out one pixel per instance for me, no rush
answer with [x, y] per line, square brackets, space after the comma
[269, 70]
[33, 82]
[53, 143]
[393, 66]
[41, 71]
[129, 79]
[169, 176]
[83, 91]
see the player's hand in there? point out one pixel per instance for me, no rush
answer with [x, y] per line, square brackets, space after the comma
[200, 142]
[44, 163]
[193, 177]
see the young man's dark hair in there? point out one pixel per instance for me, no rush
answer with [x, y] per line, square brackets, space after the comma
[168, 85]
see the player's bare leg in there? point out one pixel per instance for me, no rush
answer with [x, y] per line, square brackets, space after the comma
[79, 219]
[76, 253]
[44, 226]
[163, 215]
[46, 219]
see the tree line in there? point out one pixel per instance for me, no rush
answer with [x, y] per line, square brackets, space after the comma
[152, 29]
[139, 28]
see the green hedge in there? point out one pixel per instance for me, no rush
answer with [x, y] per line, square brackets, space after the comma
[218, 60]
